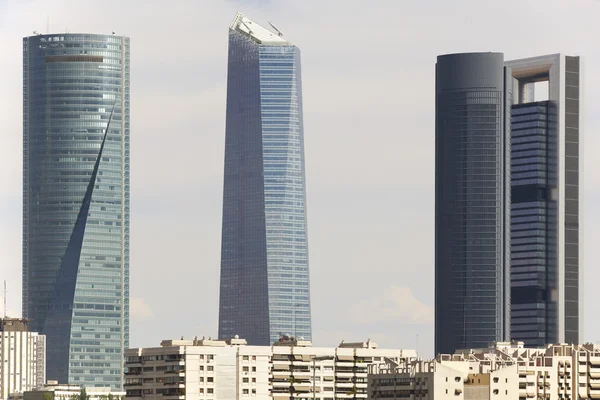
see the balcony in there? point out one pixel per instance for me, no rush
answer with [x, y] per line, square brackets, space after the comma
[298, 374]
[347, 364]
[281, 373]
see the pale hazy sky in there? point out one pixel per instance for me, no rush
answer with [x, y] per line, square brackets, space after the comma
[368, 81]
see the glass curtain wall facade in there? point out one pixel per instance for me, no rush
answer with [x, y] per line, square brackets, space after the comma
[264, 288]
[472, 235]
[533, 224]
[546, 295]
[76, 110]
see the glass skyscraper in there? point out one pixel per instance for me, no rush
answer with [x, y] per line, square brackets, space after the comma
[76, 109]
[264, 257]
[472, 205]
[546, 294]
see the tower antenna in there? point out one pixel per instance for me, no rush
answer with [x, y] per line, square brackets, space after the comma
[5, 312]
[279, 33]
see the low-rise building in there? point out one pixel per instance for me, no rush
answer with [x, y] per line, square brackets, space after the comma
[22, 357]
[206, 369]
[502, 371]
[55, 391]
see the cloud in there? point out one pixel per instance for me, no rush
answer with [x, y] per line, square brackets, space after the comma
[139, 309]
[395, 303]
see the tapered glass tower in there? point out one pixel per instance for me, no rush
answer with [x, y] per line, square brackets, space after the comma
[76, 203]
[264, 258]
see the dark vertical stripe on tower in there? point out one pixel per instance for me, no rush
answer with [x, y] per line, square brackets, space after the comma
[571, 206]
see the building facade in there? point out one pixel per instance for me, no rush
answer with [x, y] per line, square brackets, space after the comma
[503, 370]
[55, 391]
[22, 358]
[76, 110]
[202, 369]
[472, 206]
[264, 288]
[546, 250]
[434, 380]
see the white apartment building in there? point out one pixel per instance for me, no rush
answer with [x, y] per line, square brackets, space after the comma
[22, 358]
[202, 369]
[55, 391]
[504, 370]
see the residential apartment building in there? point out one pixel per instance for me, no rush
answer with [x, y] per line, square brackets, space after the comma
[22, 357]
[502, 371]
[205, 369]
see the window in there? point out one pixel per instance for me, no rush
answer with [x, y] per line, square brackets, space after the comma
[210, 379]
[245, 380]
[209, 390]
[496, 380]
[211, 356]
[245, 358]
[202, 356]
[253, 380]
[245, 391]
[253, 391]
[202, 368]
[210, 368]
[201, 390]
[253, 369]
[253, 358]
[201, 379]
[245, 369]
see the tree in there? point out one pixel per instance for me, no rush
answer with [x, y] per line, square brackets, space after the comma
[82, 395]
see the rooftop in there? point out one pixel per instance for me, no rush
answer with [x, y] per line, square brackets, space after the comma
[256, 32]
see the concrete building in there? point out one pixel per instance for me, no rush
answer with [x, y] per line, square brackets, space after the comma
[546, 245]
[202, 369]
[472, 203]
[55, 391]
[22, 357]
[504, 370]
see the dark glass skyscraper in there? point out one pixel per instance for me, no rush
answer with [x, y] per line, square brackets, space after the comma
[472, 208]
[76, 203]
[264, 257]
[546, 300]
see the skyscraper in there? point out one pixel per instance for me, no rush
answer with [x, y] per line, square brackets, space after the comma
[472, 205]
[546, 300]
[264, 254]
[76, 202]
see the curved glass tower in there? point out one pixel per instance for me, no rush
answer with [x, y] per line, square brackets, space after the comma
[76, 203]
[472, 209]
[264, 254]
